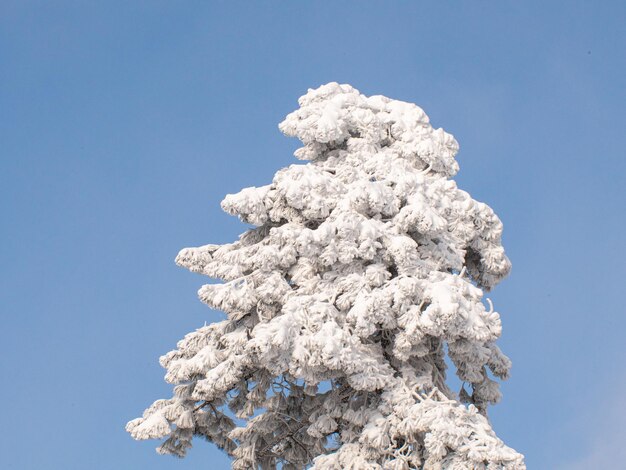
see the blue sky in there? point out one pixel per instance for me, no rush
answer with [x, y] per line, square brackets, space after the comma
[123, 125]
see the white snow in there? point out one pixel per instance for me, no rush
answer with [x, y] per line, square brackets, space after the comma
[366, 261]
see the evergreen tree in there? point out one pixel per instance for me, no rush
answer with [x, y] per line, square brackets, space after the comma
[366, 266]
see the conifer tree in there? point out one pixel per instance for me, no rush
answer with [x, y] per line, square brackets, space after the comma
[366, 266]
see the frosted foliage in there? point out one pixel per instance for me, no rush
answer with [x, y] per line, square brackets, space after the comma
[366, 266]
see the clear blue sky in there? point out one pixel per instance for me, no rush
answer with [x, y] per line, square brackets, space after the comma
[124, 123]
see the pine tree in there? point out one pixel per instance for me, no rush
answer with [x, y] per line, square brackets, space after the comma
[366, 266]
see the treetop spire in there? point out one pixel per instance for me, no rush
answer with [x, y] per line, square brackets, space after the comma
[333, 114]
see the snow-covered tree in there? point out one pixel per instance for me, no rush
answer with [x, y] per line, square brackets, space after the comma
[366, 266]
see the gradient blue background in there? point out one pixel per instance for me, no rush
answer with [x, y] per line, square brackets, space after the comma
[123, 124]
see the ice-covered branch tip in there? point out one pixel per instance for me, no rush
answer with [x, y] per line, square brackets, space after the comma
[366, 267]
